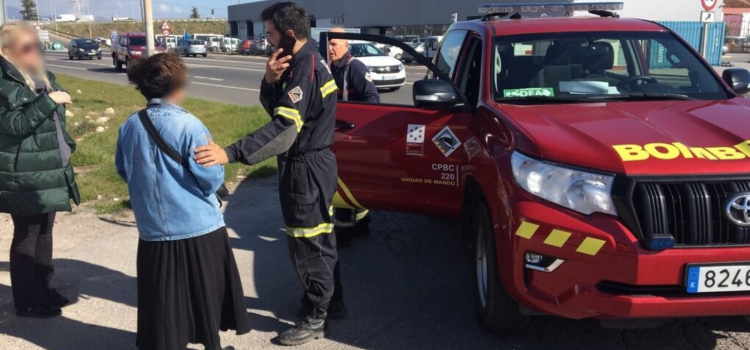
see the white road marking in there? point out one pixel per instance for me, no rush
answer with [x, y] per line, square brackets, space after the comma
[68, 67]
[224, 67]
[219, 60]
[207, 78]
[226, 86]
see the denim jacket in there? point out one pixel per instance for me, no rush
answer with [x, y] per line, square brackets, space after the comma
[170, 202]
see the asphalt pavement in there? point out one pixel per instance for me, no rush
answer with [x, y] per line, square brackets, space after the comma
[222, 78]
[407, 286]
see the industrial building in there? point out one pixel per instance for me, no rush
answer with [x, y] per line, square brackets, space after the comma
[377, 17]
[373, 17]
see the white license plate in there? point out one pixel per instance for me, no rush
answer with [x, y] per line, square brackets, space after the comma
[389, 77]
[92, 53]
[718, 278]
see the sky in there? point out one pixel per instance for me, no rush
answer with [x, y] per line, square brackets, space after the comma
[105, 9]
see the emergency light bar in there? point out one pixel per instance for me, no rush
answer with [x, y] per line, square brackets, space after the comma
[542, 7]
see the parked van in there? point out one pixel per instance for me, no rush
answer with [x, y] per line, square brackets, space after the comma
[213, 45]
[170, 41]
[431, 45]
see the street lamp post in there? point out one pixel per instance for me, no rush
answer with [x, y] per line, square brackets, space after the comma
[148, 10]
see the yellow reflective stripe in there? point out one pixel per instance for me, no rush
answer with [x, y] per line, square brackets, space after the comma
[527, 230]
[349, 194]
[328, 88]
[308, 232]
[557, 238]
[330, 211]
[590, 246]
[362, 215]
[291, 114]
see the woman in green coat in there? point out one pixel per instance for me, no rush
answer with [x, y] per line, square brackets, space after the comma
[36, 178]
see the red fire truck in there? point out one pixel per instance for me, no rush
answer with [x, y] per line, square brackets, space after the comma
[600, 167]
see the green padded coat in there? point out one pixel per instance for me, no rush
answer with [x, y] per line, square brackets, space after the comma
[33, 179]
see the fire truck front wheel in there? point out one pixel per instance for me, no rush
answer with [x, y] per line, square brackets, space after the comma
[496, 310]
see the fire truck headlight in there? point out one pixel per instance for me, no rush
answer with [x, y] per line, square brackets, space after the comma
[581, 191]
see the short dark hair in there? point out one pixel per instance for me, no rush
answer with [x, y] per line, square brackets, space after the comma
[159, 75]
[288, 15]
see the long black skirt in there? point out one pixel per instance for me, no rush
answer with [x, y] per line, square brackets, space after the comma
[188, 290]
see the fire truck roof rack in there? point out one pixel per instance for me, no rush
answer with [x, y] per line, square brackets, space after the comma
[499, 11]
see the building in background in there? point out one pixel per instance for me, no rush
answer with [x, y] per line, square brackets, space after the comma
[372, 17]
[737, 18]
[383, 16]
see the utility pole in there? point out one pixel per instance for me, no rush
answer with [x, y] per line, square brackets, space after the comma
[54, 12]
[88, 13]
[148, 10]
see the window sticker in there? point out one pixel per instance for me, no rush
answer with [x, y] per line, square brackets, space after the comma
[532, 92]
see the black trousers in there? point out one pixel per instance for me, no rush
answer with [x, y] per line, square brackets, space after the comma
[31, 267]
[306, 187]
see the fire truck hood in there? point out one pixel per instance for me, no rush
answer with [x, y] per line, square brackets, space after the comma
[641, 138]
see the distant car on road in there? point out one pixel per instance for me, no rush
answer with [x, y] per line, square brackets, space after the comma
[261, 47]
[130, 46]
[245, 47]
[385, 71]
[407, 58]
[84, 48]
[192, 48]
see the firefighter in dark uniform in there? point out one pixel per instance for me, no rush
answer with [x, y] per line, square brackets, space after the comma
[299, 93]
[355, 84]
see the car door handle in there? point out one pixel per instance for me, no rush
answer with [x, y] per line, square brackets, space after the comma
[344, 125]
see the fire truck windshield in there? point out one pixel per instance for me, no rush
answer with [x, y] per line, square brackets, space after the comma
[594, 66]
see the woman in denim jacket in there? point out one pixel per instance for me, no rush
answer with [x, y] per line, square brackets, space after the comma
[188, 284]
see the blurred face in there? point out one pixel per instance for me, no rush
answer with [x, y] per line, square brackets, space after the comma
[274, 37]
[178, 95]
[25, 52]
[337, 48]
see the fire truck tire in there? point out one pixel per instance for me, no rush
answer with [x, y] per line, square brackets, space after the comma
[496, 310]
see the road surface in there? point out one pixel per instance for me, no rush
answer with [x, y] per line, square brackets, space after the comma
[222, 78]
[407, 286]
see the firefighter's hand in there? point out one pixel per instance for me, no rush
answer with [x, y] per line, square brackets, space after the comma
[210, 155]
[276, 66]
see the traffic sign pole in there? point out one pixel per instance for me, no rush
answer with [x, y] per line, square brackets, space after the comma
[706, 18]
[148, 10]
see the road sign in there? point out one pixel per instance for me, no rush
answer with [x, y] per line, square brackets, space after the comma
[708, 17]
[709, 5]
[43, 35]
[166, 29]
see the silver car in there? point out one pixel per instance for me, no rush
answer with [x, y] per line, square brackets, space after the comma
[192, 48]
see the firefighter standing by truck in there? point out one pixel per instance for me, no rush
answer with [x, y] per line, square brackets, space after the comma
[354, 84]
[299, 92]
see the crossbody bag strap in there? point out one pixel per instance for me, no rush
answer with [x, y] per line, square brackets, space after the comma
[171, 153]
[163, 146]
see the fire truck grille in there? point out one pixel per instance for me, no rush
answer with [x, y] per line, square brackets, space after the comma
[692, 212]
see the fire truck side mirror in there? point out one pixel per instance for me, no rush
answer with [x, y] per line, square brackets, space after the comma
[738, 79]
[435, 94]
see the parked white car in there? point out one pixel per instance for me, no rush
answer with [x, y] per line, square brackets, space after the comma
[385, 71]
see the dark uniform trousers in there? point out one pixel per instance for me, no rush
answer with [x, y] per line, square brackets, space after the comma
[309, 182]
[302, 106]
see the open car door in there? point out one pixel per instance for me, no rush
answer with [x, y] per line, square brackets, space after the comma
[402, 158]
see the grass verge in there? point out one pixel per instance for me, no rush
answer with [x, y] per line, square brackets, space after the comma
[178, 27]
[94, 160]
